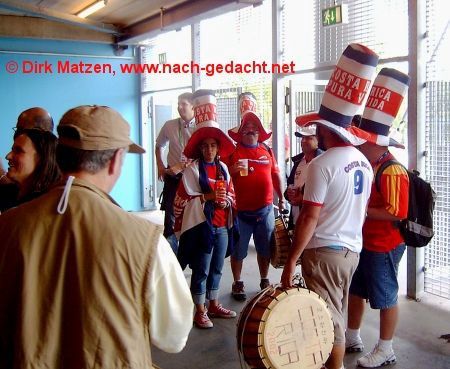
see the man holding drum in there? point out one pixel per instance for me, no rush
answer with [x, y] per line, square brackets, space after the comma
[328, 231]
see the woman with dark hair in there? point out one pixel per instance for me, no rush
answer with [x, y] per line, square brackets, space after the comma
[204, 206]
[31, 166]
[204, 246]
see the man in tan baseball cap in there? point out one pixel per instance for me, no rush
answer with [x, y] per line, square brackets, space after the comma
[83, 265]
[93, 127]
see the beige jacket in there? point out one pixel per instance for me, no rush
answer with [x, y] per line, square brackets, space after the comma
[78, 290]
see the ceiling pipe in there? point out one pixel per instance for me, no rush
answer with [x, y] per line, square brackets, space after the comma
[169, 19]
[46, 13]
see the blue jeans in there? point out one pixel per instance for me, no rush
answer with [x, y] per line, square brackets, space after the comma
[207, 272]
[376, 277]
[261, 229]
[173, 242]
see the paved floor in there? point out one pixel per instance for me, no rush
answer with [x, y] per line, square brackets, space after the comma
[417, 344]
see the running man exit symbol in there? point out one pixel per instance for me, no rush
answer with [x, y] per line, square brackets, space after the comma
[335, 15]
[162, 58]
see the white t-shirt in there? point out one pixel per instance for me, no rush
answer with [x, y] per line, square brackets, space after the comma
[299, 181]
[339, 181]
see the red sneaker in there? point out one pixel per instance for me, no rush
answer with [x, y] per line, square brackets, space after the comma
[201, 320]
[219, 311]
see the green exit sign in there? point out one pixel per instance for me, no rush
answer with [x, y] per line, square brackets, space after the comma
[335, 15]
[162, 58]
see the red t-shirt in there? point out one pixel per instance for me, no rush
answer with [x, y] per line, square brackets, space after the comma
[220, 215]
[383, 235]
[255, 190]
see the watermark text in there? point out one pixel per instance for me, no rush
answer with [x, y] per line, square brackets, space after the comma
[210, 69]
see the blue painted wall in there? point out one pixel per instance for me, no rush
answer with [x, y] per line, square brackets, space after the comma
[58, 92]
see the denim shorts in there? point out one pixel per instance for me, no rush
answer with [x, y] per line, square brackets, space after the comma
[375, 278]
[261, 230]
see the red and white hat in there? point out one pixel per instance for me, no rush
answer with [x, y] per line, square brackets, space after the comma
[345, 94]
[385, 98]
[247, 109]
[206, 126]
[247, 102]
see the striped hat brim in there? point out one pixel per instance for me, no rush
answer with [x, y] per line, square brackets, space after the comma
[381, 140]
[351, 135]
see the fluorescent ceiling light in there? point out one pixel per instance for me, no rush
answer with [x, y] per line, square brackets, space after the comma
[86, 12]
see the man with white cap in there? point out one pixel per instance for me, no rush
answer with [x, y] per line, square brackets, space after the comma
[84, 283]
[328, 231]
[297, 177]
[255, 181]
[375, 278]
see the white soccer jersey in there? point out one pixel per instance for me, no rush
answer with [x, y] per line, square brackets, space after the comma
[339, 181]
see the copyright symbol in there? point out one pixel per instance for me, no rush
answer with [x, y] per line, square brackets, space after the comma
[12, 67]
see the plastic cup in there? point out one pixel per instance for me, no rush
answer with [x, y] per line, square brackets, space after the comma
[244, 171]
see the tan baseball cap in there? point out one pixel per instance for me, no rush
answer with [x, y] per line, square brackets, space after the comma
[93, 127]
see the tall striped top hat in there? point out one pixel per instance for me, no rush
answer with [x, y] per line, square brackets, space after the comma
[247, 109]
[206, 126]
[345, 94]
[383, 104]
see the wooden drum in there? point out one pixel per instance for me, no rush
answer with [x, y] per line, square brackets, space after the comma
[281, 243]
[289, 329]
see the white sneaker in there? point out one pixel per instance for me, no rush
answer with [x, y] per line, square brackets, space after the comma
[377, 358]
[354, 346]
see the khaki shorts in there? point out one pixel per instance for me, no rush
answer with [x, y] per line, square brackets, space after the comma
[328, 272]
